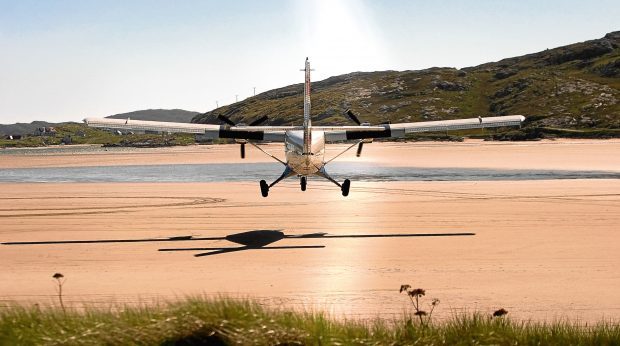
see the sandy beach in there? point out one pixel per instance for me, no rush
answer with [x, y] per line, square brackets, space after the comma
[558, 154]
[543, 249]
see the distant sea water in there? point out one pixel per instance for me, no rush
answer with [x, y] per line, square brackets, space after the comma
[64, 150]
[223, 172]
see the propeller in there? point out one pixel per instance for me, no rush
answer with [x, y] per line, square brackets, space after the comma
[359, 149]
[256, 122]
[259, 121]
[353, 117]
[356, 120]
[226, 120]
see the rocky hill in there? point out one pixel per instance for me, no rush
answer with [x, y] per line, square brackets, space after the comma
[574, 87]
[23, 128]
[172, 115]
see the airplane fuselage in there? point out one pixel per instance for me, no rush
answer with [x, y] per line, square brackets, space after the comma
[305, 149]
[304, 164]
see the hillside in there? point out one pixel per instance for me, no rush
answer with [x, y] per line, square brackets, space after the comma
[567, 91]
[572, 87]
[23, 128]
[172, 115]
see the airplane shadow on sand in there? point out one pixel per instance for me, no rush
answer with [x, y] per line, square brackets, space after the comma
[250, 240]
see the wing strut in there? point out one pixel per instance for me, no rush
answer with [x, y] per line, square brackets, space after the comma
[344, 151]
[266, 153]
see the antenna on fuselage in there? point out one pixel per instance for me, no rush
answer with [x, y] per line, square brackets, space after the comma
[307, 122]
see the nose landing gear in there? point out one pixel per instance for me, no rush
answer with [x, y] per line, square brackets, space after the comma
[303, 181]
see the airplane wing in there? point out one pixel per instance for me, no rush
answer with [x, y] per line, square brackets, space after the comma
[332, 133]
[267, 133]
[400, 130]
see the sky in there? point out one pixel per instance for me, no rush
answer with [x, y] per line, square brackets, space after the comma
[63, 60]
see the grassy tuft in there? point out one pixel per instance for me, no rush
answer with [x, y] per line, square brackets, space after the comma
[225, 321]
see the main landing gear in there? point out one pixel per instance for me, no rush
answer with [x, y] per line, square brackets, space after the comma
[303, 182]
[264, 188]
[345, 187]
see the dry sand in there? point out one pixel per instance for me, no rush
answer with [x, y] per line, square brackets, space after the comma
[543, 249]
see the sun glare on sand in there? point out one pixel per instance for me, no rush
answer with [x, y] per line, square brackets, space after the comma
[340, 36]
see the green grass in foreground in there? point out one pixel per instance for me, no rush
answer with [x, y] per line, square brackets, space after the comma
[225, 321]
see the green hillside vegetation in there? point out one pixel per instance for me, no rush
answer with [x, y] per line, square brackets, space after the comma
[22, 128]
[201, 321]
[575, 87]
[82, 134]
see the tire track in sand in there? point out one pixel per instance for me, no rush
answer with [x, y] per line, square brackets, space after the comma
[72, 211]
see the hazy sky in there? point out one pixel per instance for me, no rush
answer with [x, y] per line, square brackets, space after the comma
[65, 60]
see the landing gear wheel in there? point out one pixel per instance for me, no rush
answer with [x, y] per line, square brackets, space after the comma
[264, 188]
[345, 187]
[303, 181]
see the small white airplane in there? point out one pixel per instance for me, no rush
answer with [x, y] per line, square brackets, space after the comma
[305, 145]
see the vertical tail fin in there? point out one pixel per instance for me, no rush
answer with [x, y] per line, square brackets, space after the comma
[307, 122]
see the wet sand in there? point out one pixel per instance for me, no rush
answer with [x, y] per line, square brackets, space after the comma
[543, 249]
[559, 154]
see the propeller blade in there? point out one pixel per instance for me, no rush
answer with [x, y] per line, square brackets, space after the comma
[243, 150]
[259, 120]
[353, 117]
[359, 149]
[226, 120]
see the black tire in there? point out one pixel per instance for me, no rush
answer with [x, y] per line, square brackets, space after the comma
[345, 187]
[303, 182]
[264, 188]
